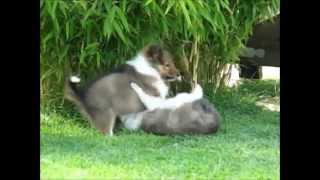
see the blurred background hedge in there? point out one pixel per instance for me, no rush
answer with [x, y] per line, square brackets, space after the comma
[88, 37]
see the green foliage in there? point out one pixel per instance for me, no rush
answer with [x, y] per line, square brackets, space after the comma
[243, 98]
[90, 36]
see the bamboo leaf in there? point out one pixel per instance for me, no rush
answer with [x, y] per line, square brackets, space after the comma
[63, 54]
[107, 5]
[63, 7]
[123, 5]
[185, 12]
[52, 12]
[158, 10]
[148, 2]
[119, 32]
[123, 19]
[225, 5]
[91, 47]
[46, 39]
[170, 5]
[90, 11]
[207, 17]
[98, 59]
[192, 6]
[83, 4]
[68, 30]
[108, 23]
[82, 53]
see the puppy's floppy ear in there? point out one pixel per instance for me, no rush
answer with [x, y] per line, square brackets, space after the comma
[155, 53]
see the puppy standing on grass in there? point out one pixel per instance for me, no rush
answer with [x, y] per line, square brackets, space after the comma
[186, 113]
[110, 96]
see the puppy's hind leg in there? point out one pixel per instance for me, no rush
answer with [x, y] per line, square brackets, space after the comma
[104, 121]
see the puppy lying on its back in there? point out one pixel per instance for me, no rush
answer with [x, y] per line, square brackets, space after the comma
[110, 96]
[183, 114]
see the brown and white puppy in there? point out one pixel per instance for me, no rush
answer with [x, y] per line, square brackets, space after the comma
[110, 96]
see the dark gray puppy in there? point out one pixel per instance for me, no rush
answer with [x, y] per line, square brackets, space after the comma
[187, 113]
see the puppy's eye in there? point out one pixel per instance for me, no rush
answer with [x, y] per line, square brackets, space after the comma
[167, 65]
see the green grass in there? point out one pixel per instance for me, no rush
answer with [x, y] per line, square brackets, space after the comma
[246, 147]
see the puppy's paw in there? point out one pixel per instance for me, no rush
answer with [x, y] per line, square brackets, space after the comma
[133, 85]
[198, 92]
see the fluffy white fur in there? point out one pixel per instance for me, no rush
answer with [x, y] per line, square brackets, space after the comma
[132, 121]
[75, 79]
[140, 63]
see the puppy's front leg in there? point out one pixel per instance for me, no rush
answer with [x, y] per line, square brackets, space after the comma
[197, 92]
[151, 102]
[182, 98]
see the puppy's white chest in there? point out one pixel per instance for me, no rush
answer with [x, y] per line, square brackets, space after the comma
[162, 88]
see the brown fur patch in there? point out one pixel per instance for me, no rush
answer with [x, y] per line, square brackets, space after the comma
[162, 60]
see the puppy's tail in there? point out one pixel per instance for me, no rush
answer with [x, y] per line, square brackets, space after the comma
[70, 89]
[72, 94]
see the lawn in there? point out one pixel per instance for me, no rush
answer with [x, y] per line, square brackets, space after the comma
[246, 146]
